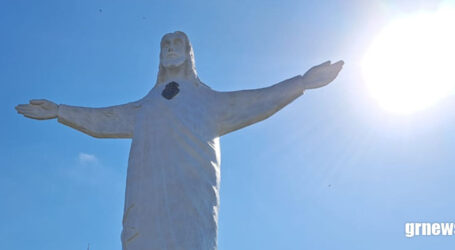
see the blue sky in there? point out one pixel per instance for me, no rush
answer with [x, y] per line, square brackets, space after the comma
[330, 171]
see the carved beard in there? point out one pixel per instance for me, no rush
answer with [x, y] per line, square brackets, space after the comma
[173, 62]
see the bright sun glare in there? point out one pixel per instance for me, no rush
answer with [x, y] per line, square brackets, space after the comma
[411, 63]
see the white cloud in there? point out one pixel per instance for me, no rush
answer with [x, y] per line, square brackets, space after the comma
[87, 158]
[88, 169]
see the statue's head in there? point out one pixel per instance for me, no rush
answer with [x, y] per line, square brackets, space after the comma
[176, 53]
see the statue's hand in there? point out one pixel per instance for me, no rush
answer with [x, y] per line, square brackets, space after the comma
[321, 75]
[38, 109]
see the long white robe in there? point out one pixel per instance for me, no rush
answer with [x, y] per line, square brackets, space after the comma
[173, 179]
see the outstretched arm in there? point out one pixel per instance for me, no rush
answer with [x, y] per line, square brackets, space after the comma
[239, 109]
[109, 122]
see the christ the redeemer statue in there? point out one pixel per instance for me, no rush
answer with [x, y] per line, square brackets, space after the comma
[173, 179]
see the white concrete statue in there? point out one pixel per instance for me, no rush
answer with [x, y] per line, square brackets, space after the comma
[173, 179]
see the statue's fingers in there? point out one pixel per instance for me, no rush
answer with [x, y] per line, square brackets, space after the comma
[25, 110]
[33, 116]
[21, 107]
[22, 111]
[336, 67]
[37, 101]
[325, 63]
[339, 64]
[19, 111]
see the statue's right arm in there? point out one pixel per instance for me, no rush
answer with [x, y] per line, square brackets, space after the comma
[109, 122]
[238, 109]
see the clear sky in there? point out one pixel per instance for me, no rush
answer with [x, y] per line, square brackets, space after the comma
[333, 170]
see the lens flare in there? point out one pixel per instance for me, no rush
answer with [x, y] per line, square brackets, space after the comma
[410, 64]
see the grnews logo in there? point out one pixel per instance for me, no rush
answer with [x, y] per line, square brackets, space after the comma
[428, 229]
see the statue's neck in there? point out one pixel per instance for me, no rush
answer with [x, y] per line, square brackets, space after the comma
[176, 78]
[176, 74]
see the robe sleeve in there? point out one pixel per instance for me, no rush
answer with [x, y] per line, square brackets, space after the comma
[239, 109]
[109, 122]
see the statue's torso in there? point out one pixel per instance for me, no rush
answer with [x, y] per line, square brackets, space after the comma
[173, 173]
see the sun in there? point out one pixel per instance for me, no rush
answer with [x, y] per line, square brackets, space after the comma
[410, 65]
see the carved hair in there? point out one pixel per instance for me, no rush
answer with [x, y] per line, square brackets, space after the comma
[189, 66]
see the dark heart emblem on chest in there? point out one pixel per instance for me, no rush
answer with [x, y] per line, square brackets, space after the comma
[171, 90]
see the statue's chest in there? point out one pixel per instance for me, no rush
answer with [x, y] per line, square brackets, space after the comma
[177, 105]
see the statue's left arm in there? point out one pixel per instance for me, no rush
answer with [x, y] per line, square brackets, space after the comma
[238, 109]
[108, 122]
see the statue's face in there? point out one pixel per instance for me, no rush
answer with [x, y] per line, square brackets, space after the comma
[173, 50]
